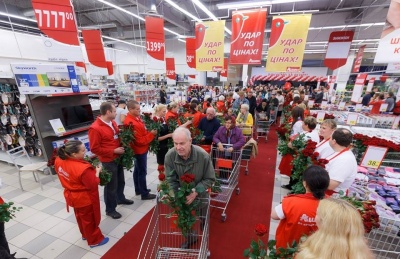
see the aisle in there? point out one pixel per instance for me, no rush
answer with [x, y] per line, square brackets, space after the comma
[250, 207]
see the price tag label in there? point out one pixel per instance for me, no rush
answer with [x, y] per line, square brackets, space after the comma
[383, 107]
[57, 126]
[341, 106]
[373, 156]
[51, 16]
[320, 117]
[396, 122]
[333, 99]
[153, 46]
[324, 104]
[358, 107]
[310, 103]
[352, 119]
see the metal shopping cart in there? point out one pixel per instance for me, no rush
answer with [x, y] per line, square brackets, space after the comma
[246, 151]
[227, 168]
[164, 240]
[263, 123]
[385, 241]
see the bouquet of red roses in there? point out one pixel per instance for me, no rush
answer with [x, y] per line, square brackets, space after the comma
[153, 123]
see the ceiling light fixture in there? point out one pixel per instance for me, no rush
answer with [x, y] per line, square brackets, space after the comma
[210, 14]
[17, 17]
[19, 25]
[177, 7]
[241, 5]
[299, 11]
[122, 41]
[182, 40]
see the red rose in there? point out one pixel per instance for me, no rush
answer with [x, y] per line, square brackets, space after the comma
[161, 177]
[187, 178]
[261, 230]
[155, 119]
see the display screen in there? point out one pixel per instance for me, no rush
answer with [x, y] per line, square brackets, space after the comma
[77, 116]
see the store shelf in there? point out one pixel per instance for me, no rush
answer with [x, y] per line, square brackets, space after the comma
[51, 133]
[67, 94]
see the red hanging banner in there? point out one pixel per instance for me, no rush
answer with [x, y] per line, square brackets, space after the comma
[247, 36]
[171, 75]
[191, 52]
[338, 49]
[224, 71]
[94, 47]
[56, 19]
[155, 40]
[358, 60]
[110, 68]
[81, 64]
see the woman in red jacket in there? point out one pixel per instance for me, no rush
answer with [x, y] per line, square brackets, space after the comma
[376, 102]
[80, 181]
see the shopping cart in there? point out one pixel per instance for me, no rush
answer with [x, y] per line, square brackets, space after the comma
[164, 240]
[385, 240]
[227, 168]
[246, 150]
[263, 124]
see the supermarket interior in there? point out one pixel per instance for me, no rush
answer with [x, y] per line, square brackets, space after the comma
[199, 129]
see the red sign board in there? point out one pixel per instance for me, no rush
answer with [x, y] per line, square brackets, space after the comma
[247, 36]
[56, 19]
[191, 52]
[94, 47]
[224, 72]
[338, 49]
[155, 41]
[358, 60]
[170, 64]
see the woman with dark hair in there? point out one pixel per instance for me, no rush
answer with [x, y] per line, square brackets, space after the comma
[163, 136]
[297, 124]
[194, 115]
[80, 181]
[297, 212]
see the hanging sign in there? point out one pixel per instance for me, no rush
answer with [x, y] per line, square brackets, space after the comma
[287, 42]
[223, 76]
[95, 52]
[171, 75]
[155, 41]
[324, 104]
[352, 119]
[210, 46]
[358, 107]
[191, 52]
[49, 79]
[373, 156]
[247, 36]
[338, 49]
[341, 106]
[358, 59]
[389, 45]
[311, 103]
[320, 117]
[383, 107]
[358, 87]
[56, 20]
[396, 122]
[370, 84]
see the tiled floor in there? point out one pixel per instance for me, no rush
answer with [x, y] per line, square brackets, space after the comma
[44, 229]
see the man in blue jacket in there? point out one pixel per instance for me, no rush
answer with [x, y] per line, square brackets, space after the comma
[209, 125]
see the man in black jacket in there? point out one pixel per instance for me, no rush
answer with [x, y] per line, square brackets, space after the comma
[252, 102]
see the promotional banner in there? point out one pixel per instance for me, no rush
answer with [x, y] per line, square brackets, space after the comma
[331, 82]
[389, 45]
[358, 59]
[95, 52]
[56, 20]
[338, 49]
[155, 40]
[393, 68]
[49, 79]
[191, 52]
[287, 42]
[247, 36]
[358, 87]
[210, 46]
[370, 84]
[170, 67]
[223, 76]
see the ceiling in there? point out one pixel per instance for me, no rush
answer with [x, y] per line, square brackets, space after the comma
[120, 25]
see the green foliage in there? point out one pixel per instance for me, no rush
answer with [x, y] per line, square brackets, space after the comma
[104, 175]
[7, 211]
[172, 125]
[216, 188]
[126, 137]
[281, 253]
[153, 124]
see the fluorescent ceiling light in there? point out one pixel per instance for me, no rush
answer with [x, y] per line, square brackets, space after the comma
[182, 40]
[177, 7]
[299, 11]
[239, 5]
[121, 9]
[347, 26]
[19, 25]
[210, 14]
[17, 17]
[122, 41]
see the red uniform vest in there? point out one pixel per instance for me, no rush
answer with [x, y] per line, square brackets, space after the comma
[69, 172]
[300, 211]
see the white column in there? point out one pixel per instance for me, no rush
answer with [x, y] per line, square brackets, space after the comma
[201, 78]
[245, 74]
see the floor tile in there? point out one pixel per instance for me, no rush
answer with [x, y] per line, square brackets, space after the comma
[54, 249]
[60, 229]
[109, 225]
[120, 230]
[32, 200]
[35, 219]
[15, 230]
[90, 255]
[54, 208]
[20, 253]
[39, 243]
[25, 237]
[72, 235]
[48, 224]
[72, 252]
[43, 204]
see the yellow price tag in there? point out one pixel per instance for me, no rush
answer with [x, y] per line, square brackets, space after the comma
[320, 120]
[60, 129]
[373, 163]
[352, 123]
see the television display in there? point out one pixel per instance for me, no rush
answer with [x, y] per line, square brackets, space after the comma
[77, 116]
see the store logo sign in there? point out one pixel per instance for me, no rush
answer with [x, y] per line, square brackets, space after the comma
[26, 68]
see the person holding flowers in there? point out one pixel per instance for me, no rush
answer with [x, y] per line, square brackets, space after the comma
[309, 125]
[326, 130]
[194, 115]
[340, 233]
[163, 136]
[297, 212]
[80, 181]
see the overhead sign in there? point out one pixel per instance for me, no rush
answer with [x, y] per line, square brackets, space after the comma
[287, 42]
[358, 59]
[49, 79]
[95, 51]
[389, 45]
[171, 75]
[210, 46]
[247, 36]
[155, 40]
[358, 87]
[338, 49]
[191, 52]
[223, 76]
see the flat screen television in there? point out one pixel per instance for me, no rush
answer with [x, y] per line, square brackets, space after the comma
[77, 116]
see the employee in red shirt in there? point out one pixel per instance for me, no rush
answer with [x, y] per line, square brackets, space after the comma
[140, 146]
[297, 212]
[104, 142]
[81, 190]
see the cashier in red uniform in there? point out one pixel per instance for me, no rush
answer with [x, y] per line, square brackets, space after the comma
[80, 181]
